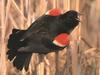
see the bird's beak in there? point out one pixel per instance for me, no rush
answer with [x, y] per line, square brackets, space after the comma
[78, 18]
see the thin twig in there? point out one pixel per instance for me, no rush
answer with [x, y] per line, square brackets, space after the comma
[3, 50]
[84, 40]
[16, 6]
[13, 22]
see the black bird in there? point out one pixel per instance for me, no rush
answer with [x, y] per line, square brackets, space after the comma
[39, 37]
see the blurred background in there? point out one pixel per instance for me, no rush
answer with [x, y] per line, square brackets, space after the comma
[82, 58]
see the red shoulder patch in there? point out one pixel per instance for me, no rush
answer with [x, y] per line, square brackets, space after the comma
[62, 39]
[54, 12]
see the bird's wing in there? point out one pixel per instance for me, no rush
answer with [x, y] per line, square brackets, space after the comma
[40, 43]
[35, 27]
[45, 47]
[50, 45]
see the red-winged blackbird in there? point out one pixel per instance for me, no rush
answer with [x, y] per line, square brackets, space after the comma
[41, 37]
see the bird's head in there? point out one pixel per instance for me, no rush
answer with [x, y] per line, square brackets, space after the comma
[69, 20]
[73, 14]
[58, 12]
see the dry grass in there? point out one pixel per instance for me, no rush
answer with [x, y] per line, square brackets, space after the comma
[82, 58]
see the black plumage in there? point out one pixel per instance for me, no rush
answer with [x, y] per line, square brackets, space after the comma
[38, 37]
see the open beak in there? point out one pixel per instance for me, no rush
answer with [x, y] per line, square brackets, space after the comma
[78, 18]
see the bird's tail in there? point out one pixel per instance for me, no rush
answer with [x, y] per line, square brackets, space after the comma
[19, 59]
[14, 43]
[22, 60]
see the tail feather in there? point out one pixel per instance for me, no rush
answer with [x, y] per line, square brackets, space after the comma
[11, 54]
[13, 43]
[27, 62]
[22, 61]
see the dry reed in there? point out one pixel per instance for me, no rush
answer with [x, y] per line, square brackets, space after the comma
[82, 58]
